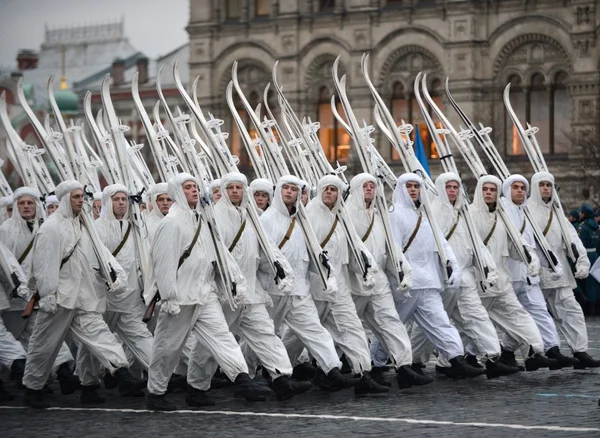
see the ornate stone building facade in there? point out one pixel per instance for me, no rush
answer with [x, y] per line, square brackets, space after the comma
[548, 50]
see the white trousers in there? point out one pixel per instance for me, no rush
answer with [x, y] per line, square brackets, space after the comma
[426, 308]
[212, 333]
[301, 317]
[49, 333]
[532, 299]
[339, 318]
[254, 326]
[464, 308]
[516, 323]
[10, 348]
[22, 330]
[568, 316]
[381, 318]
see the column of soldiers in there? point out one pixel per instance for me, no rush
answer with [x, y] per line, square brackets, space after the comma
[84, 334]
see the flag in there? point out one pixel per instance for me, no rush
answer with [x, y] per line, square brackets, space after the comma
[420, 151]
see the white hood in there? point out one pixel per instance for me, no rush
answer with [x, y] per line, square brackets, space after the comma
[5, 201]
[535, 196]
[401, 196]
[444, 212]
[478, 202]
[262, 185]
[508, 182]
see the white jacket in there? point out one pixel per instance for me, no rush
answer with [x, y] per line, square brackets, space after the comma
[194, 281]
[498, 243]
[375, 242]
[516, 214]
[446, 216]
[112, 232]
[422, 253]
[276, 221]
[10, 262]
[541, 211]
[78, 284]
[17, 236]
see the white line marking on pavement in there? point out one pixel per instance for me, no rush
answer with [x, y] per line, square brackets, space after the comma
[327, 417]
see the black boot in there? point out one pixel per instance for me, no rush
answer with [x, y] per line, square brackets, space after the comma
[267, 378]
[159, 403]
[472, 360]
[418, 368]
[17, 370]
[35, 399]
[508, 358]
[4, 394]
[283, 388]
[537, 361]
[197, 398]
[89, 395]
[408, 377]
[495, 368]
[303, 371]
[367, 385]
[563, 361]
[69, 383]
[300, 387]
[460, 368]
[334, 381]
[584, 360]
[110, 381]
[129, 386]
[176, 382]
[248, 389]
[446, 371]
[377, 375]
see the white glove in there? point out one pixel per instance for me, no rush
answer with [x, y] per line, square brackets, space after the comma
[454, 280]
[24, 292]
[268, 301]
[582, 269]
[491, 279]
[240, 294]
[332, 289]
[170, 307]
[533, 268]
[120, 285]
[286, 285]
[48, 303]
[369, 280]
[557, 274]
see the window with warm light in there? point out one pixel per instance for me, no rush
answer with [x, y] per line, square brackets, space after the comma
[261, 8]
[332, 135]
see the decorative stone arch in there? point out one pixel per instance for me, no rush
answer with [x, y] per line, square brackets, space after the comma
[318, 75]
[253, 76]
[405, 63]
[530, 49]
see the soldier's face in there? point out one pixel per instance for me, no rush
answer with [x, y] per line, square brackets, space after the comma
[289, 194]
[235, 193]
[369, 191]
[413, 189]
[330, 195]
[546, 190]
[216, 194]
[190, 190]
[517, 192]
[262, 199]
[76, 199]
[452, 191]
[164, 203]
[26, 206]
[119, 204]
[51, 208]
[490, 193]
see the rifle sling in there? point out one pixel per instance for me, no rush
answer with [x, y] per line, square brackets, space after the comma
[118, 248]
[489, 236]
[188, 250]
[330, 234]
[414, 233]
[27, 251]
[548, 224]
[453, 229]
[236, 239]
[368, 233]
[288, 234]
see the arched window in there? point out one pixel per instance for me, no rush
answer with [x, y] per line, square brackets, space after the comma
[538, 111]
[261, 8]
[332, 135]
[235, 140]
[561, 108]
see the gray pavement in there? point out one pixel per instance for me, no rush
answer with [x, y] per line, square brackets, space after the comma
[541, 404]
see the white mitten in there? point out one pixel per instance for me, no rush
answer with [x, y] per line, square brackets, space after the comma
[582, 268]
[332, 288]
[120, 285]
[557, 273]
[491, 279]
[48, 303]
[24, 292]
[239, 295]
[533, 268]
[268, 301]
[369, 280]
[170, 307]
[286, 285]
